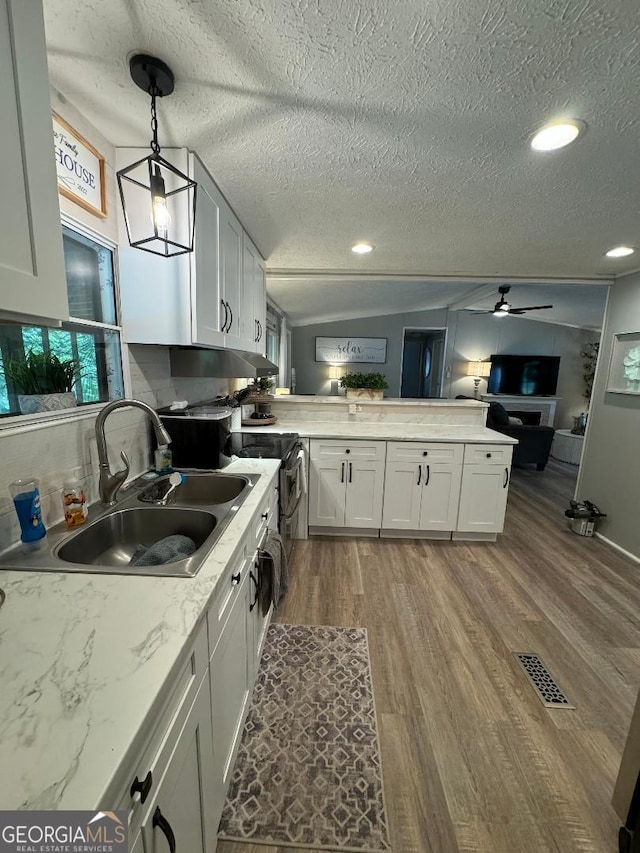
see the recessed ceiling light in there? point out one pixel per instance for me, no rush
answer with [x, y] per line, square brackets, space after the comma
[362, 248]
[556, 135]
[620, 252]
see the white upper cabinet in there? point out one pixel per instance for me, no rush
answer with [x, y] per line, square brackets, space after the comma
[206, 298]
[254, 296]
[32, 278]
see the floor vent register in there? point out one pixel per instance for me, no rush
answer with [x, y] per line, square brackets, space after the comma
[543, 683]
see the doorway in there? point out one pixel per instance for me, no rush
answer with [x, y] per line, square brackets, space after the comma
[422, 363]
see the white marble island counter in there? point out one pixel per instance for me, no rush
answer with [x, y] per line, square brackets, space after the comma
[455, 421]
[85, 661]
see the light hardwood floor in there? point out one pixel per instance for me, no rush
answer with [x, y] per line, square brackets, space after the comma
[472, 760]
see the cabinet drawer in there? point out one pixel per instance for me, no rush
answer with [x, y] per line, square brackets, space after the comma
[228, 589]
[263, 518]
[155, 754]
[354, 450]
[432, 452]
[488, 454]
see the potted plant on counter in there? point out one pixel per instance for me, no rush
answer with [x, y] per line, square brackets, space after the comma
[369, 386]
[44, 382]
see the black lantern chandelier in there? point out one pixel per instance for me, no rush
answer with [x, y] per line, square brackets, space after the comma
[158, 200]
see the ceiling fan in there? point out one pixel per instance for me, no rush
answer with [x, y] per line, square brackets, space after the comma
[502, 308]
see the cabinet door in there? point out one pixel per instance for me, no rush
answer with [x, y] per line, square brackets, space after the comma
[440, 496]
[183, 803]
[260, 305]
[207, 291]
[248, 324]
[231, 274]
[229, 674]
[365, 488]
[483, 498]
[327, 492]
[401, 507]
[32, 277]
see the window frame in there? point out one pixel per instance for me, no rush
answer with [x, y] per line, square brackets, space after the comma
[18, 422]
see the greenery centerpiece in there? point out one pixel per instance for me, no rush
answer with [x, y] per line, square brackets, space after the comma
[368, 385]
[44, 382]
[589, 355]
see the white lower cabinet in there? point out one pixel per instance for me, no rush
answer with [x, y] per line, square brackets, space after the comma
[483, 498]
[346, 483]
[449, 489]
[422, 486]
[229, 673]
[180, 815]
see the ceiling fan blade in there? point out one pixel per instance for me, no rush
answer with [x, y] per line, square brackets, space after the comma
[483, 312]
[529, 308]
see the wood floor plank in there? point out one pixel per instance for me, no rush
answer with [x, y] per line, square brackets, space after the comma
[472, 761]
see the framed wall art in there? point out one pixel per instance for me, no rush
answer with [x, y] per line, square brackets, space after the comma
[80, 168]
[352, 350]
[624, 367]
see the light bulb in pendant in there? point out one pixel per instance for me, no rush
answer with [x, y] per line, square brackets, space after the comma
[160, 216]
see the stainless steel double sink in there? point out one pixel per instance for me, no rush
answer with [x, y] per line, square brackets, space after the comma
[200, 508]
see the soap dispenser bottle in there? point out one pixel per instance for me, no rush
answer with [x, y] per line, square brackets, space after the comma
[26, 499]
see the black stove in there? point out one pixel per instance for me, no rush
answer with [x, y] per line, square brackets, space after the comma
[260, 445]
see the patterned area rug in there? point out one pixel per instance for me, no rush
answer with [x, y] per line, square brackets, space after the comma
[308, 770]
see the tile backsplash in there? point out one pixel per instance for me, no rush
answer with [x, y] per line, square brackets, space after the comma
[52, 451]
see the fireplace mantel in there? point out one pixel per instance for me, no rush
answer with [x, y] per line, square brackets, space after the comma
[544, 406]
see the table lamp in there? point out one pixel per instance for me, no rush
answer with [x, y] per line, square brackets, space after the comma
[479, 370]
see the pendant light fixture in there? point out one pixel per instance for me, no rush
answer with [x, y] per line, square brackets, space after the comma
[158, 200]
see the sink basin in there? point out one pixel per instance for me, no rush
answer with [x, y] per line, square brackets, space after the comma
[206, 489]
[111, 540]
[201, 508]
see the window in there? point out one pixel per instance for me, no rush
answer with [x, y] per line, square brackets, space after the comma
[91, 338]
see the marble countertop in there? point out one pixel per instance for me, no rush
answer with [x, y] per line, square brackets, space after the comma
[328, 400]
[388, 431]
[83, 659]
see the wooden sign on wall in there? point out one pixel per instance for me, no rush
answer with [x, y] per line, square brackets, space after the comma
[80, 168]
[352, 350]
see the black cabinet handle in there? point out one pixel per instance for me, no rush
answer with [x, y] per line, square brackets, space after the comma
[265, 515]
[426, 482]
[255, 600]
[419, 475]
[506, 478]
[230, 315]
[226, 316]
[425, 452]
[162, 823]
[255, 332]
[350, 472]
[347, 450]
[488, 456]
[259, 330]
[235, 579]
[342, 474]
[142, 788]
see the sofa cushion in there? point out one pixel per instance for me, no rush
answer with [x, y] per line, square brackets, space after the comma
[497, 415]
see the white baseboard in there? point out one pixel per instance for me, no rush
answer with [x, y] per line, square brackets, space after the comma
[370, 532]
[618, 548]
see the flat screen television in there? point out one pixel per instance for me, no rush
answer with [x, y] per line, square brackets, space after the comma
[524, 375]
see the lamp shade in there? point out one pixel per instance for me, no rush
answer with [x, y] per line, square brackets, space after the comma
[481, 369]
[336, 371]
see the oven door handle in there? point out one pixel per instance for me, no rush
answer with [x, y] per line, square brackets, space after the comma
[287, 515]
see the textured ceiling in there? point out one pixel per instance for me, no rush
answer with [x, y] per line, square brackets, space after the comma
[403, 123]
[322, 299]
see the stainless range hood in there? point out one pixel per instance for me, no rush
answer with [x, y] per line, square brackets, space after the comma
[220, 363]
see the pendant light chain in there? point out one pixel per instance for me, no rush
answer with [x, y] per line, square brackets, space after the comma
[155, 145]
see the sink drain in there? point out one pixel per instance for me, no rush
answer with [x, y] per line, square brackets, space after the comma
[542, 682]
